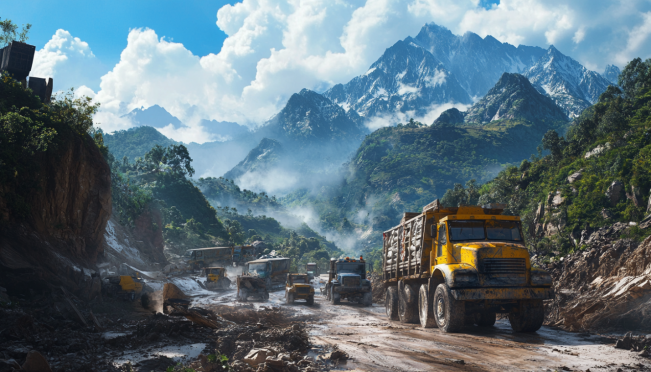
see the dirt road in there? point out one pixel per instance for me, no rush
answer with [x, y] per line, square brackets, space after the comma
[376, 344]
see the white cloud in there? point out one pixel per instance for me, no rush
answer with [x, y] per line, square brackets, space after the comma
[432, 113]
[69, 61]
[275, 48]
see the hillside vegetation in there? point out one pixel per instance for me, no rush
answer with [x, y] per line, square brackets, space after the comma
[598, 174]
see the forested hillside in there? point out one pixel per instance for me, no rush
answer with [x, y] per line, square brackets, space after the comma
[596, 175]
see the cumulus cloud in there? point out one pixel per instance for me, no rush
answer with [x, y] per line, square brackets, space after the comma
[275, 48]
[68, 60]
[432, 113]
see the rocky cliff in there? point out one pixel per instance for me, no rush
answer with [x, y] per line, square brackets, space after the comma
[59, 235]
[604, 287]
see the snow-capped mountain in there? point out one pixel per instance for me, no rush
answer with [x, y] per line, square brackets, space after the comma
[405, 78]
[612, 73]
[476, 63]
[572, 86]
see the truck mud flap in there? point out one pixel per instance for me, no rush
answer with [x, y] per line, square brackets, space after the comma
[503, 294]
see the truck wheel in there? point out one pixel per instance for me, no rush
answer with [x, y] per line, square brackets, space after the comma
[367, 300]
[528, 317]
[334, 296]
[449, 313]
[391, 303]
[425, 308]
[407, 303]
[310, 301]
[485, 318]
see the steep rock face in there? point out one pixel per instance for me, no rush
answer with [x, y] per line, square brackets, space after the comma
[405, 78]
[63, 231]
[606, 286]
[611, 73]
[141, 246]
[311, 117]
[513, 97]
[265, 155]
[476, 63]
[450, 116]
[566, 81]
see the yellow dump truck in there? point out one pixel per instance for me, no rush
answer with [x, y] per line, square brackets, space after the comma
[298, 288]
[216, 278]
[451, 267]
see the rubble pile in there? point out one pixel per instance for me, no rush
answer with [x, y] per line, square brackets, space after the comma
[605, 286]
[640, 344]
[267, 315]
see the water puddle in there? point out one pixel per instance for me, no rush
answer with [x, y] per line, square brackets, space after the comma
[177, 353]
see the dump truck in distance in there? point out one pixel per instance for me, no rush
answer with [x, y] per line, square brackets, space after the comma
[451, 267]
[220, 256]
[272, 270]
[312, 270]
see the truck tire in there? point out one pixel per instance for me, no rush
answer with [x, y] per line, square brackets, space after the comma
[367, 300]
[407, 304]
[449, 313]
[425, 308]
[391, 303]
[335, 297]
[528, 317]
[225, 283]
[485, 318]
[310, 301]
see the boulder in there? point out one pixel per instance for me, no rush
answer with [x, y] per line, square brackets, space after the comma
[635, 196]
[614, 192]
[606, 214]
[597, 150]
[35, 362]
[258, 356]
[575, 176]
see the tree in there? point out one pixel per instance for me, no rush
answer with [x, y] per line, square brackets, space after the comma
[635, 79]
[554, 143]
[9, 32]
[178, 158]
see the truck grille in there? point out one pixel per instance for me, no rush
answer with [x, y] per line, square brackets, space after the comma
[351, 282]
[513, 266]
[302, 289]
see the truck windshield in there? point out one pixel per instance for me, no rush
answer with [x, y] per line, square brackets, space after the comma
[350, 268]
[485, 230]
[298, 279]
[257, 267]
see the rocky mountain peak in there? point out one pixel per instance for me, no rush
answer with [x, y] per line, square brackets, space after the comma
[513, 97]
[566, 81]
[611, 73]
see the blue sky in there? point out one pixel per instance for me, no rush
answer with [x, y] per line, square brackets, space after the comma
[240, 62]
[105, 24]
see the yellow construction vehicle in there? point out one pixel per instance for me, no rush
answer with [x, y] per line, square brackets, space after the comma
[126, 287]
[216, 278]
[451, 267]
[298, 288]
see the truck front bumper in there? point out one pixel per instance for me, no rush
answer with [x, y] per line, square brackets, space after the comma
[352, 289]
[527, 293]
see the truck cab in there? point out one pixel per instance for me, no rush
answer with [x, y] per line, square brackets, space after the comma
[347, 280]
[298, 288]
[273, 270]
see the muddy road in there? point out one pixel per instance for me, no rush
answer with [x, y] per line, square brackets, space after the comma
[376, 344]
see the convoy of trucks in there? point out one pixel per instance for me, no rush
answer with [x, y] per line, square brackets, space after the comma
[220, 256]
[444, 267]
[448, 267]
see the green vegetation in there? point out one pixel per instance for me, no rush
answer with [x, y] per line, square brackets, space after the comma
[618, 127]
[9, 32]
[224, 192]
[135, 142]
